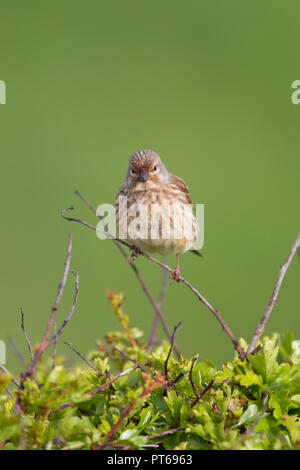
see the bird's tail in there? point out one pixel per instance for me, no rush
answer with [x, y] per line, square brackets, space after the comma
[196, 252]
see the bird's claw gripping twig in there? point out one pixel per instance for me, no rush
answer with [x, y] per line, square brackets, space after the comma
[135, 251]
[175, 273]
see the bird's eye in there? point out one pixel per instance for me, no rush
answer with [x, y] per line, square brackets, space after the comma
[155, 168]
[132, 171]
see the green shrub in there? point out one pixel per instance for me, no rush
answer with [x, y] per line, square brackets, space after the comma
[156, 402]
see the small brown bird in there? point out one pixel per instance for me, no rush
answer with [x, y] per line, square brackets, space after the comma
[154, 211]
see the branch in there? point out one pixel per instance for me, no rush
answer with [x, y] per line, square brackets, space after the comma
[140, 366]
[156, 304]
[101, 388]
[25, 334]
[61, 407]
[44, 344]
[54, 346]
[89, 363]
[165, 433]
[13, 379]
[68, 318]
[116, 377]
[197, 394]
[158, 382]
[283, 269]
[169, 354]
[201, 395]
[215, 312]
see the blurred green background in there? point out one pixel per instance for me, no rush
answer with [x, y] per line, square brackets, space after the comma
[207, 85]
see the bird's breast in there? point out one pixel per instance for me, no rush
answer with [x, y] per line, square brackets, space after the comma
[157, 220]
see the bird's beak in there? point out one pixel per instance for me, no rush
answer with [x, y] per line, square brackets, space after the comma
[143, 175]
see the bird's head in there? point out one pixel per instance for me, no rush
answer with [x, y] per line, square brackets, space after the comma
[146, 170]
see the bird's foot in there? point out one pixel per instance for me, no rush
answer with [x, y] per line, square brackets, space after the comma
[135, 251]
[175, 275]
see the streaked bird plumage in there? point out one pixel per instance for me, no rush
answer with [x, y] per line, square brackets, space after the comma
[151, 187]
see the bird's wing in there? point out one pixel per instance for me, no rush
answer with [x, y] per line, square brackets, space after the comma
[180, 185]
[121, 192]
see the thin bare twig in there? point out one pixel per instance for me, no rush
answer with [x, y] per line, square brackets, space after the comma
[113, 445]
[68, 317]
[169, 382]
[116, 377]
[156, 304]
[158, 382]
[54, 346]
[282, 272]
[202, 299]
[25, 335]
[61, 407]
[60, 290]
[165, 433]
[167, 385]
[197, 394]
[140, 366]
[89, 363]
[44, 344]
[178, 377]
[201, 395]
[88, 203]
[9, 392]
[12, 378]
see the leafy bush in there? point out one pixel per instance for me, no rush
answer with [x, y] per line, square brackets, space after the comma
[129, 398]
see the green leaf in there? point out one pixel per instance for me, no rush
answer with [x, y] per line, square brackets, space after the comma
[9, 427]
[174, 403]
[250, 378]
[131, 436]
[159, 403]
[296, 352]
[145, 418]
[134, 377]
[285, 345]
[127, 435]
[292, 424]
[248, 415]
[279, 401]
[264, 362]
[104, 427]
[296, 399]
[217, 421]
